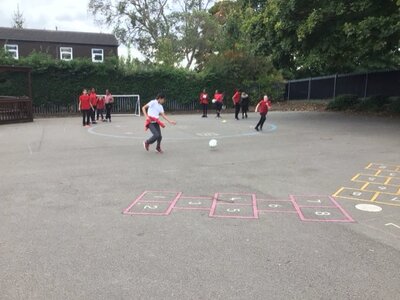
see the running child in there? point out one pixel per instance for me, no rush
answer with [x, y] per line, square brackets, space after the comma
[262, 107]
[100, 108]
[93, 101]
[152, 112]
[219, 101]
[204, 102]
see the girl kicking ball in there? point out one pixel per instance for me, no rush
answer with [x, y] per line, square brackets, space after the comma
[152, 112]
[262, 107]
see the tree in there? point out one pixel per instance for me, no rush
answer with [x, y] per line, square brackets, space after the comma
[316, 37]
[18, 19]
[162, 33]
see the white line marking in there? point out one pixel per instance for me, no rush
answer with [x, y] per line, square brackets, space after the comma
[391, 224]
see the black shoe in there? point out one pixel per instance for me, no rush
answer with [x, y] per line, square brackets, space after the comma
[256, 128]
[158, 149]
[146, 145]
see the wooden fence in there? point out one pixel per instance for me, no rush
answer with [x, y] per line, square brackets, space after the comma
[15, 109]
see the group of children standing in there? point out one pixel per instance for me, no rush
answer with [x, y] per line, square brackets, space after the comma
[241, 102]
[90, 105]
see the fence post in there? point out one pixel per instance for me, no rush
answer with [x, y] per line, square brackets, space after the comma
[366, 85]
[288, 91]
[334, 86]
[309, 89]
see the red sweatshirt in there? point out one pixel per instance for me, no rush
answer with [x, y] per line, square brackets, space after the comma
[100, 103]
[85, 101]
[93, 99]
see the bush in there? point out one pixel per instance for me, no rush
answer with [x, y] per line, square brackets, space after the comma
[373, 104]
[393, 106]
[343, 102]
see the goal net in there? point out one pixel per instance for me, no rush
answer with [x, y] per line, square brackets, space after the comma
[126, 104]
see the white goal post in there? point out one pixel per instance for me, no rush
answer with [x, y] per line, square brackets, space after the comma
[126, 104]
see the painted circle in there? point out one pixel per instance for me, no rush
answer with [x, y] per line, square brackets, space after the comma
[369, 207]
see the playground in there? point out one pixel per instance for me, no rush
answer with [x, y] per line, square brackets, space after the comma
[308, 208]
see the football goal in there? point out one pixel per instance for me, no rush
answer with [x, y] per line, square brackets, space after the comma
[126, 104]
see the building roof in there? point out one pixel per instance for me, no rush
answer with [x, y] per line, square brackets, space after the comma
[58, 36]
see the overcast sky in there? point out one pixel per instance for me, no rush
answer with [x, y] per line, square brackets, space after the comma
[69, 15]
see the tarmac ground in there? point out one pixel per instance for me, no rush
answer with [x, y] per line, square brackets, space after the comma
[308, 208]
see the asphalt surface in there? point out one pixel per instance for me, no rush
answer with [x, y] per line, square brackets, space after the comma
[89, 214]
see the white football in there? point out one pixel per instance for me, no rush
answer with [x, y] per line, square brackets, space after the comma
[213, 100]
[213, 143]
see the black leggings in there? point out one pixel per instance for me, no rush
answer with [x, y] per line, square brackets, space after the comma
[108, 111]
[86, 116]
[262, 120]
[237, 110]
[156, 131]
[205, 107]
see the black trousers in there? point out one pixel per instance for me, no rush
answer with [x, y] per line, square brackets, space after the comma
[156, 131]
[218, 107]
[108, 111]
[205, 108]
[85, 116]
[245, 109]
[93, 113]
[100, 113]
[262, 120]
[237, 110]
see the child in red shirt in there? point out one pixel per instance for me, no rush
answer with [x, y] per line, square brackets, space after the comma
[100, 108]
[204, 102]
[262, 107]
[219, 101]
[236, 103]
[93, 101]
[85, 107]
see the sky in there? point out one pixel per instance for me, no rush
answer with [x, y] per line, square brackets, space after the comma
[68, 15]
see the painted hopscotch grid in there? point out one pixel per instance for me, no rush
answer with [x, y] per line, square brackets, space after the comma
[234, 205]
[320, 209]
[238, 206]
[380, 184]
[158, 203]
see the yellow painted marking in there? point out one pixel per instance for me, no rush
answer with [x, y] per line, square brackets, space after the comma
[364, 186]
[388, 180]
[375, 196]
[338, 192]
[355, 177]
[378, 172]
[367, 167]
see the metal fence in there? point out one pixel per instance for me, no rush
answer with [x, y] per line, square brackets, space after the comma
[384, 83]
[122, 105]
[15, 109]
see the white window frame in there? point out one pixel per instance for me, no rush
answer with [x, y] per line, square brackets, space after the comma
[66, 50]
[13, 52]
[94, 54]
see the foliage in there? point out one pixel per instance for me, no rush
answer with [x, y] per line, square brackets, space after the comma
[344, 102]
[162, 34]
[373, 104]
[315, 37]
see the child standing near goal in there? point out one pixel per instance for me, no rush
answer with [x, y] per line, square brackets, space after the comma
[262, 107]
[108, 101]
[85, 107]
[152, 112]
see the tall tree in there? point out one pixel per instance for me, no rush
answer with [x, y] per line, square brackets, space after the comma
[316, 37]
[18, 19]
[163, 32]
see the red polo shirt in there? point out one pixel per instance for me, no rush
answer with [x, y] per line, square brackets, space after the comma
[236, 97]
[263, 107]
[203, 98]
[100, 103]
[219, 97]
[85, 101]
[93, 99]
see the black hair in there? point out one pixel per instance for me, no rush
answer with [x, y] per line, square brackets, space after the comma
[160, 96]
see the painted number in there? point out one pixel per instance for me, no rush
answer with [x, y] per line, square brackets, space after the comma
[232, 210]
[194, 203]
[395, 199]
[274, 205]
[382, 188]
[356, 193]
[322, 213]
[150, 207]
[371, 179]
[382, 167]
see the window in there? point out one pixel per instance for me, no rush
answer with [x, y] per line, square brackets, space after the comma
[66, 53]
[12, 49]
[97, 55]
